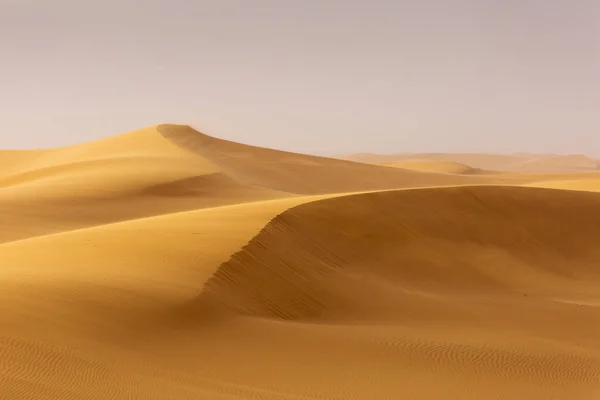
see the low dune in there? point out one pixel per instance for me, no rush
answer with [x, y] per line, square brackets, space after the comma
[444, 167]
[168, 264]
[491, 162]
[298, 173]
[516, 163]
[573, 184]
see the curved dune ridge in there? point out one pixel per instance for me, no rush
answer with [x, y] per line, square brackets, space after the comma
[168, 264]
[572, 184]
[464, 240]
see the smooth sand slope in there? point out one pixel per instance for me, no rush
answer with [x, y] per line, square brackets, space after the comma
[474, 288]
[300, 290]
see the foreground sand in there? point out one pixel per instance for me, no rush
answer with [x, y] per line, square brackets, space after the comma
[303, 280]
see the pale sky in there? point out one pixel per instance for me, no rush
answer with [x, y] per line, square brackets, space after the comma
[314, 76]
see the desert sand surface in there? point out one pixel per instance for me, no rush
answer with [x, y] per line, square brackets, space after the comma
[168, 264]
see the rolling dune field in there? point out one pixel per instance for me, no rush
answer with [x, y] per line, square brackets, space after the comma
[168, 264]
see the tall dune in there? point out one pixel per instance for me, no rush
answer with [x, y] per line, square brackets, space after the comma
[516, 163]
[557, 163]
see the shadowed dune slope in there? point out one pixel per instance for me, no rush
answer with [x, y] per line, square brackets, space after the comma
[479, 240]
[78, 310]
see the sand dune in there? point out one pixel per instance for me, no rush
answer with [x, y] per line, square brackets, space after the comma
[168, 264]
[573, 184]
[519, 162]
[568, 163]
[295, 173]
[168, 168]
[492, 162]
[128, 176]
[444, 167]
[480, 240]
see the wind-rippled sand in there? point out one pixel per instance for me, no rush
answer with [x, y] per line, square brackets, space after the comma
[167, 264]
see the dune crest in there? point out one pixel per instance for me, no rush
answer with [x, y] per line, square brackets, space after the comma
[516, 163]
[479, 241]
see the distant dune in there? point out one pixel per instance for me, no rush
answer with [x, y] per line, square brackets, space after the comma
[520, 162]
[569, 163]
[444, 167]
[493, 162]
[573, 184]
[168, 264]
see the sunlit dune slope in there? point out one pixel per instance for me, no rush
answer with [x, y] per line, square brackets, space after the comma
[444, 167]
[315, 260]
[485, 291]
[13, 161]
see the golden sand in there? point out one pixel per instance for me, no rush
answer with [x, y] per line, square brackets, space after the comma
[167, 264]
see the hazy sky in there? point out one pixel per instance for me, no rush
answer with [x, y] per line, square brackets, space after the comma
[316, 76]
